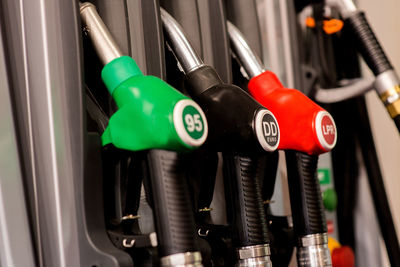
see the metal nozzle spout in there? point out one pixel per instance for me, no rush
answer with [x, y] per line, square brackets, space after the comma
[103, 42]
[250, 61]
[185, 53]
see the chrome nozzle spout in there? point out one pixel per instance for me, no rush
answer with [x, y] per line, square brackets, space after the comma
[183, 50]
[250, 61]
[103, 42]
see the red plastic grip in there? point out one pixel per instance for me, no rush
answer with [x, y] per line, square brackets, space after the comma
[304, 126]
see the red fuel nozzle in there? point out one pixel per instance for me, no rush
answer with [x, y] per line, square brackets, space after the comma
[304, 125]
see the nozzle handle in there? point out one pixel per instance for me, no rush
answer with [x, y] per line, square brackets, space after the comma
[305, 194]
[245, 200]
[173, 215]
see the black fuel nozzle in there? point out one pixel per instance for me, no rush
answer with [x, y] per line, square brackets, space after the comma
[236, 120]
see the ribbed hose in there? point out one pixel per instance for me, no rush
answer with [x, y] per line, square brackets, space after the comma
[305, 194]
[368, 45]
[247, 212]
[171, 204]
[374, 56]
[376, 185]
[397, 122]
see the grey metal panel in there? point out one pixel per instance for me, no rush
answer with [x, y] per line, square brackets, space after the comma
[204, 24]
[54, 78]
[187, 14]
[293, 33]
[45, 64]
[288, 20]
[279, 26]
[114, 15]
[55, 103]
[216, 49]
[136, 27]
[43, 52]
[16, 246]
[243, 14]
[146, 35]
[11, 25]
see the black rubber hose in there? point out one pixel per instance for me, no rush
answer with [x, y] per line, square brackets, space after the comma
[377, 185]
[173, 215]
[397, 122]
[305, 194]
[244, 199]
[368, 44]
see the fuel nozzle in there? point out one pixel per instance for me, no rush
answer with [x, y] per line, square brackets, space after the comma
[152, 116]
[236, 120]
[167, 118]
[307, 130]
[305, 126]
[387, 82]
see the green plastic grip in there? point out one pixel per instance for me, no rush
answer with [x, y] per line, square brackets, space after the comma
[119, 70]
[151, 114]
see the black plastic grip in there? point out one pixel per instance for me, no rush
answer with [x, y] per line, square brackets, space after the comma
[246, 211]
[173, 215]
[305, 194]
[201, 80]
[368, 44]
[230, 111]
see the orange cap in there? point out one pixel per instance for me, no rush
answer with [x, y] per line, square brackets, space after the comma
[331, 26]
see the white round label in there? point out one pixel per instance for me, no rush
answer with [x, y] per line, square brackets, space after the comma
[326, 130]
[190, 122]
[267, 130]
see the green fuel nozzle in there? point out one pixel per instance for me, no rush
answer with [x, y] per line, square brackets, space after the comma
[151, 114]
